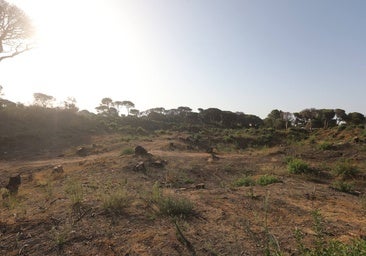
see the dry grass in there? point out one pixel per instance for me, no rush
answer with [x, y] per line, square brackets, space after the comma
[223, 219]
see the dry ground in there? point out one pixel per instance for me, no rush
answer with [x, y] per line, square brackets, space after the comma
[63, 214]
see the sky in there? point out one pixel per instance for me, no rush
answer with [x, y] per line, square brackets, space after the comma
[251, 56]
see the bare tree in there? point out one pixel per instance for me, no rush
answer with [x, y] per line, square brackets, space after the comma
[15, 31]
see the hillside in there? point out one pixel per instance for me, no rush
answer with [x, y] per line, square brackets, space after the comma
[211, 192]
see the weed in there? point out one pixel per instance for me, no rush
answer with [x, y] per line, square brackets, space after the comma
[245, 181]
[74, 190]
[342, 186]
[298, 166]
[331, 248]
[267, 179]
[116, 201]
[345, 169]
[127, 151]
[326, 146]
[171, 205]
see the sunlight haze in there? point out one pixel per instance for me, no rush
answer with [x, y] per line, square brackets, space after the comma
[249, 56]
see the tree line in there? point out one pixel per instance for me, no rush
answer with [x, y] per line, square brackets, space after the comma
[111, 110]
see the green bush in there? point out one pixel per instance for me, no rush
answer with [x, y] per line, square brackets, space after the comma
[345, 169]
[127, 151]
[267, 179]
[244, 181]
[297, 166]
[342, 186]
[326, 146]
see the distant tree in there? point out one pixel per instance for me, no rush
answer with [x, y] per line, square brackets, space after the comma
[356, 118]
[128, 105]
[341, 115]
[70, 104]
[106, 107]
[309, 115]
[43, 100]
[278, 119]
[1, 91]
[134, 112]
[211, 115]
[15, 30]
[6, 103]
[118, 105]
[326, 116]
[107, 102]
[287, 117]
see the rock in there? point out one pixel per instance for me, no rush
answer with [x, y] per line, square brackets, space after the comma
[14, 183]
[140, 151]
[81, 151]
[58, 169]
[158, 163]
[139, 167]
[200, 186]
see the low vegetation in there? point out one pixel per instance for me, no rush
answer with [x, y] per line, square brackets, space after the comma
[212, 183]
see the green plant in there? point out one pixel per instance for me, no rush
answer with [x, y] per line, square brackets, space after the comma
[324, 248]
[171, 205]
[345, 169]
[267, 179]
[326, 146]
[342, 186]
[297, 166]
[245, 181]
[127, 151]
[116, 201]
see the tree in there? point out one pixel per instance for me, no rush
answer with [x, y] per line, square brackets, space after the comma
[128, 105]
[134, 112]
[118, 105]
[341, 115]
[106, 107]
[43, 100]
[15, 30]
[356, 118]
[70, 104]
[326, 115]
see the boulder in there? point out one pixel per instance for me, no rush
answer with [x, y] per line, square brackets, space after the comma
[140, 151]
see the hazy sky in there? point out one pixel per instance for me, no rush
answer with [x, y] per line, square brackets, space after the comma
[246, 55]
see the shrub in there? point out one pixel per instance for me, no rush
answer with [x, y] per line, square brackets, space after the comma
[127, 151]
[326, 146]
[267, 179]
[297, 166]
[244, 181]
[345, 169]
[116, 202]
[342, 186]
[171, 205]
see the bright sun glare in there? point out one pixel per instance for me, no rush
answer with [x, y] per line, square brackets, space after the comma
[78, 51]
